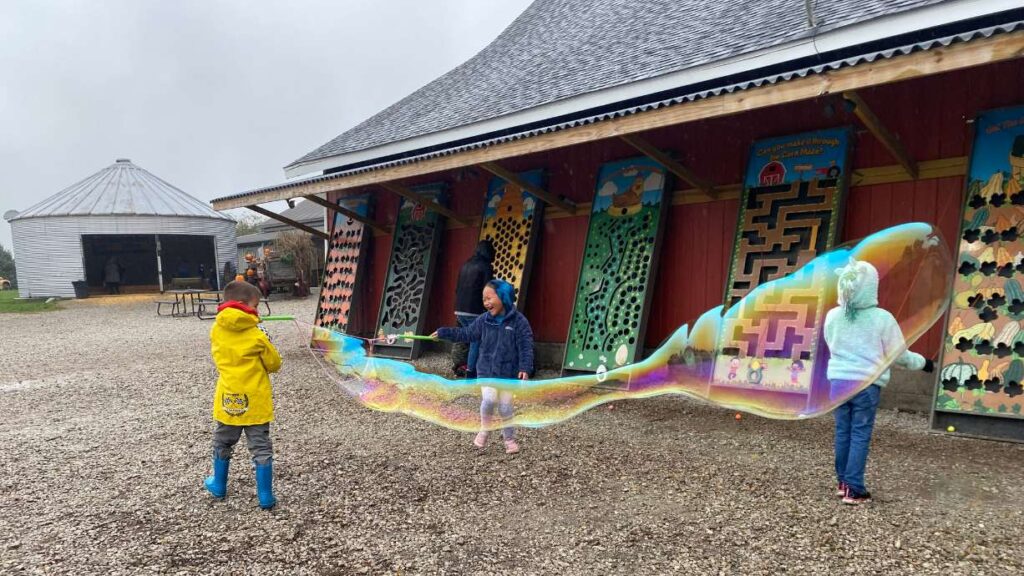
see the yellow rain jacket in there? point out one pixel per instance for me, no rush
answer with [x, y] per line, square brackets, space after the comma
[244, 358]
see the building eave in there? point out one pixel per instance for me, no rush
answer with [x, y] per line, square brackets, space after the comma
[828, 38]
[972, 48]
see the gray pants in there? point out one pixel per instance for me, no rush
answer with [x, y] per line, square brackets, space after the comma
[258, 437]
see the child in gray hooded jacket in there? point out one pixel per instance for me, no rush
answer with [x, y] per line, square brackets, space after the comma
[862, 339]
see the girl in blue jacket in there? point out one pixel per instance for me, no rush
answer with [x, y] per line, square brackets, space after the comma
[506, 351]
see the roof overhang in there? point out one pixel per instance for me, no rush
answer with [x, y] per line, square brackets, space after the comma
[876, 67]
[829, 38]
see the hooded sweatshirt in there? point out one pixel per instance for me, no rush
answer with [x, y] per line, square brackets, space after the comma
[862, 338]
[244, 357]
[506, 341]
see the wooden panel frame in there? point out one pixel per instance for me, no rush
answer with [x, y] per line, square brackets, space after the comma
[981, 186]
[772, 170]
[487, 229]
[407, 210]
[331, 285]
[625, 354]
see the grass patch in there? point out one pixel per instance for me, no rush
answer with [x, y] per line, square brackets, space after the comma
[9, 304]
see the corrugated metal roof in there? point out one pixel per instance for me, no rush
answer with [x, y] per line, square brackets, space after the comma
[559, 49]
[260, 238]
[555, 126]
[121, 189]
[305, 212]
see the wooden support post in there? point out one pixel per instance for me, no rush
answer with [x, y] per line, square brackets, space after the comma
[425, 202]
[350, 214]
[514, 179]
[290, 222]
[670, 164]
[887, 138]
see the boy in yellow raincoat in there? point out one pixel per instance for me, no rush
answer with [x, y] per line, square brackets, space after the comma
[244, 358]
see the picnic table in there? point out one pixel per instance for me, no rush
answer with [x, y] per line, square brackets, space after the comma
[184, 303]
[196, 302]
[207, 305]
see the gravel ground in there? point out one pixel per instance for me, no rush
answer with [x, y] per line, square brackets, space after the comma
[104, 442]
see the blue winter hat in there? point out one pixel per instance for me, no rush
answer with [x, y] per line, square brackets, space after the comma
[506, 293]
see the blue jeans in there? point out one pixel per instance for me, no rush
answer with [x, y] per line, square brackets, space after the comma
[474, 347]
[855, 420]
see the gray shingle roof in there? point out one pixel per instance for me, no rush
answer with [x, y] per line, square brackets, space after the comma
[121, 189]
[305, 212]
[558, 49]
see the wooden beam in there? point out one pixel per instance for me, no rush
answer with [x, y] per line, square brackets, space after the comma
[514, 179]
[290, 222]
[886, 137]
[350, 214]
[997, 48]
[647, 149]
[425, 202]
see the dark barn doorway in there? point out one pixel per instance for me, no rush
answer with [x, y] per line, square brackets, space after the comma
[134, 253]
[188, 257]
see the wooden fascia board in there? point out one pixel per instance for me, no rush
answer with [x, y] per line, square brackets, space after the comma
[883, 71]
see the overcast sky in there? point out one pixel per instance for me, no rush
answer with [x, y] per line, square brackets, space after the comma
[214, 96]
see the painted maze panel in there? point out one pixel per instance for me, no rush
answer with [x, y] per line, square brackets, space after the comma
[406, 294]
[790, 212]
[614, 288]
[983, 355]
[512, 222]
[339, 290]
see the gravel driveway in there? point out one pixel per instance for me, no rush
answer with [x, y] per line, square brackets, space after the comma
[105, 434]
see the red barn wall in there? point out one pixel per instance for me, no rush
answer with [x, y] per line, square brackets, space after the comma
[930, 116]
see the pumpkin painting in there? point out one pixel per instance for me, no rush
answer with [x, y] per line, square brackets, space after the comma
[983, 348]
[958, 371]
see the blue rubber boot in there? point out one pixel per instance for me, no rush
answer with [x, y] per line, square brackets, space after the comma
[218, 483]
[265, 484]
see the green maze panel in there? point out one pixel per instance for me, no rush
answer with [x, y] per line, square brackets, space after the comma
[406, 294]
[614, 288]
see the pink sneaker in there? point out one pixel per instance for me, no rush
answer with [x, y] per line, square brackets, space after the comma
[481, 439]
[511, 446]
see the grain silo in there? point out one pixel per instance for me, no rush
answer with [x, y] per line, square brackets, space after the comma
[152, 231]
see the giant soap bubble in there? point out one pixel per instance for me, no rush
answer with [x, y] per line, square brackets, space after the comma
[764, 355]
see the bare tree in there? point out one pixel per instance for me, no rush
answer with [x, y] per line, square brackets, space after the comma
[298, 248]
[249, 224]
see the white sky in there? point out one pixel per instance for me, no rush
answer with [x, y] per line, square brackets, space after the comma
[214, 96]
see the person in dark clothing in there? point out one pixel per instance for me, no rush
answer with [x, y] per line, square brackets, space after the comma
[113, 273]
[473, 276]
[506, 351]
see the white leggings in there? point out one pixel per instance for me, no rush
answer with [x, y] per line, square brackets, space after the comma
[504, 402]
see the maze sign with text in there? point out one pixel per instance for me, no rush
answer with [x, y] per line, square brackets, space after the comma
[790, 212]
[512, 218]
[983, 357]
[617, 273]
[406, 294]
[340, 291]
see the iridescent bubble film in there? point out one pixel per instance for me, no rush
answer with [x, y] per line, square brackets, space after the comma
[915, 270]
